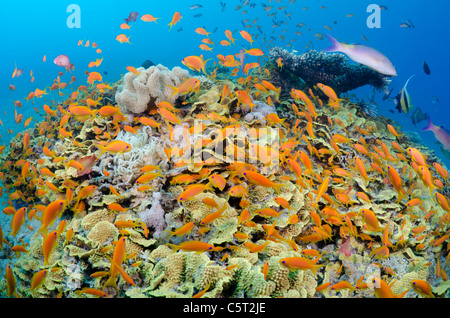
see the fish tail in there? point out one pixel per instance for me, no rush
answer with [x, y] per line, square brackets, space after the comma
[430, 124]
[174, 247]
[335, 45]
[175, 91]
[171, 233]
[277, 187]
[314, 269]
[102, 150]
[111, 282]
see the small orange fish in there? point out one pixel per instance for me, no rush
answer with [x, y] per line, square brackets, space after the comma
[117, 259]
[247, 36]
[370, 220]
[175, 19]
[193, 246]
[422, 287]
[148, 18]
[229, 36]
[300, 263]
[245, 98]
[49, 244]
[212, 216]
[133, 70]
[122, 38]
[92, 291]
[169, 116]
[115, 146]
[396, 182]
[192, 190]
[18, 220]
[10, 281]
[38, 279]
[256, 178]
[185, 229]
[195, 63]
[218, 181]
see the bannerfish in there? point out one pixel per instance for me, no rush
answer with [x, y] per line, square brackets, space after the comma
[132, 17]
[417, 116]
[403, 99]
[426, 68]
[364, 55]
[440, 133]
[387, 93]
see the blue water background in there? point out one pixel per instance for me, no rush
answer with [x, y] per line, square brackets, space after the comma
[34, 29]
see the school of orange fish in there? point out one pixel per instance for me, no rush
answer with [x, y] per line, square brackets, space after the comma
[326, 173]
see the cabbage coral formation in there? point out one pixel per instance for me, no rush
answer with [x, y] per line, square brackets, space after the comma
[250, 227]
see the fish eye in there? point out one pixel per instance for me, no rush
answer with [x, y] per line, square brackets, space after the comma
[209, 248]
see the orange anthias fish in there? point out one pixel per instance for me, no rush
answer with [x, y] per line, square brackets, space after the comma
[188, 86]
[202, 31]
[115, 146]
[169, 116]
[148, 18]
[185, 229]
[49, 244]
[175, 19]
[229, 36]
[133, 70]
[256, 178]
[10, 281]
[300, 263]
[254, 52]
[193, 246]
[192, 190]
[122, 38]
[244, 98]
[246, 36]
[195, 63]
[38, 279]
[396, 182]
[117, 260]
[50, 214]
[18, 220]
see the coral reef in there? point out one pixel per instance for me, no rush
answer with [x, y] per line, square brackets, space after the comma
[223, 197]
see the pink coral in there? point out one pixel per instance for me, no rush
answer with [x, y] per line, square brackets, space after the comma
[345, 247]
[154, 217]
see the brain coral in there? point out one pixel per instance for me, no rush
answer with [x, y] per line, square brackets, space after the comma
[148, 88]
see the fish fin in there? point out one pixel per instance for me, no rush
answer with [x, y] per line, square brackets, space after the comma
[175, 91]
[277, 187]
[111, 282]
[430, 124]
[173, 246]
[335, 45]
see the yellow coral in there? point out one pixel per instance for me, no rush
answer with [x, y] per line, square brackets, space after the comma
[103, 232]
